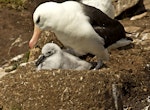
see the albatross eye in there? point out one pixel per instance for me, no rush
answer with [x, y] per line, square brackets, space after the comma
[38, 20]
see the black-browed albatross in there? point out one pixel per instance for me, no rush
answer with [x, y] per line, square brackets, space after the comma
[83, 28]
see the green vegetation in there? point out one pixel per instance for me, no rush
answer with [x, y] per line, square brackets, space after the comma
[17, 2]
[13, 3]
[26, 57]
[16, 107]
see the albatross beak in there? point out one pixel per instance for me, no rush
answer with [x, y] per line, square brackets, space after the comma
[35, 37]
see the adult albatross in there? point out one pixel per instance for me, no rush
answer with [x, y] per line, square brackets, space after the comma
[83, 28]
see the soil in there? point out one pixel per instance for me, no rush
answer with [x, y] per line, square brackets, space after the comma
[15, 31]
[129, 66]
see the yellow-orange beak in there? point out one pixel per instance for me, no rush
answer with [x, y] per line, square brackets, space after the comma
[35, 36]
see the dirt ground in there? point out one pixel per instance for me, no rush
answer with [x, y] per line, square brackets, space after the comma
[15, 31]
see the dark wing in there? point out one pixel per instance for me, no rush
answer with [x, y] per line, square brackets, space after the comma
[109, 29]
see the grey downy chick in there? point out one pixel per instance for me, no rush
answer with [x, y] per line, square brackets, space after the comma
[53, 57]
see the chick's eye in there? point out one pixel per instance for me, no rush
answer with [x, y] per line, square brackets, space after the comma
[38, 20]
[49, 52]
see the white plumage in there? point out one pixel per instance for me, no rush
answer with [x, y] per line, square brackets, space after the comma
[80, 27]
[54, 58]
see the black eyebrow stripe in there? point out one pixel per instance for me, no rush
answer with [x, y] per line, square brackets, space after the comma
[38, 20]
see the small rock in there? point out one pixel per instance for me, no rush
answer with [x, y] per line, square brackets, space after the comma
[147, 48]
[145, 43]
[132, 29]
[136, 35]
[117, 96]
[147, 67]
[148, 98]
[146, 36]
[17, 58]
[2, 72]
[10, 68]
[137, 41]
[81, 78]
[147, 108]
[25, 64]
[140, 16]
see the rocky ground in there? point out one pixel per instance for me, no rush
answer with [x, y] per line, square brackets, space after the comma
[27, 89]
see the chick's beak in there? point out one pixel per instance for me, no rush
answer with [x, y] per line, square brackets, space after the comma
[35, 36]
[40, 60]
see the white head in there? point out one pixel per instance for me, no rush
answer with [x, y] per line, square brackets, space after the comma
[50, 49]
[44, 17]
